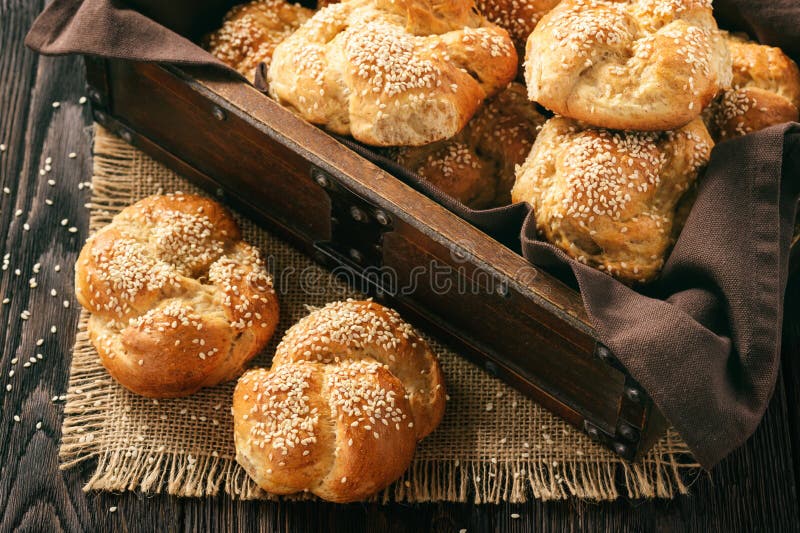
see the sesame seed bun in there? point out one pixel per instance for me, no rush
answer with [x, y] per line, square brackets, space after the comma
[608, 198]
[177, 300]
[765, 91]
[351, 390]
[392, 73]
[477, 166]
[250, 32]
[627, 65]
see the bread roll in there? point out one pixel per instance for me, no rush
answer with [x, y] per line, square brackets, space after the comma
[392, 72]
[608, 199]
[177, 300]
[250, 32]
[518, 17]
[765, 91]
[629, 65]
[477, 166]
[351, 390]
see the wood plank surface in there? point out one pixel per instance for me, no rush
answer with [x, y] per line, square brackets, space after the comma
[756, 489]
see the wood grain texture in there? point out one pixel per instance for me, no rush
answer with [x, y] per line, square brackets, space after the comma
[753, 490]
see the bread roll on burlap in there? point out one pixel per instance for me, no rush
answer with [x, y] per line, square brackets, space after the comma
[351, 390]
[177, 300]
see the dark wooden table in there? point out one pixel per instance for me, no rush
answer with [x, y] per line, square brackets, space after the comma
[44, 220]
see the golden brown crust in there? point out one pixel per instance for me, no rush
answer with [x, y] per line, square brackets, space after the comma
[765, 91]
[392, 72]
[632, 64]
[477, 166]
[178, 301]
[341, 431]
[608, 199]
[250, 32]
[356, 330]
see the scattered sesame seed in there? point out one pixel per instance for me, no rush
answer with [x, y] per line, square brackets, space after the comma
[17, 418]
[72, 155]
[112, 509]
[56, 105]
[82, 100]
[514, 515]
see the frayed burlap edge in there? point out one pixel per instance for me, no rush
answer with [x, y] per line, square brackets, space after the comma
[661, 474]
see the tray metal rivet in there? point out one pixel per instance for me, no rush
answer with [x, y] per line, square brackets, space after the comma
[382, 218]
[126, 135]
[592, 431]
[220, 192]
[100, 117]
[218, 113]
[320, 178]
[491, 368]
[627, 432]
[604, 353]
[358, 214]
[633, 394]
[620, 448]
[356, 256]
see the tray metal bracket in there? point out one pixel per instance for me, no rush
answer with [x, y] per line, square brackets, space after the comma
[355, 247]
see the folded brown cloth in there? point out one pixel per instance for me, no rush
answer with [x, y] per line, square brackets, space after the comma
[704, 340]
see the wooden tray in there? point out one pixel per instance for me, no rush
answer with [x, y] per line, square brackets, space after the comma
[517, 321]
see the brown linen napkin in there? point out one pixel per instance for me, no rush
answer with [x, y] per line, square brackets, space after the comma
[704, 340]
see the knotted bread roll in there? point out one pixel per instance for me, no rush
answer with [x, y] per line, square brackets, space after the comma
[765, 91]
[477, 166]
[627, 64]
[250, 32]
[351, 390]
[392, 72]
[177, 300]
[608, 198]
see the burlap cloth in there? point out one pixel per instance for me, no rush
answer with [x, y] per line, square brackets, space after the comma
[493, 444]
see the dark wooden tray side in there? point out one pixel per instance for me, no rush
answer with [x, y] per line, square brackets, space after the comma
[515, 320]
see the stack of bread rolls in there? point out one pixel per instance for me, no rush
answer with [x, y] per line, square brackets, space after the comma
[640, 90]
